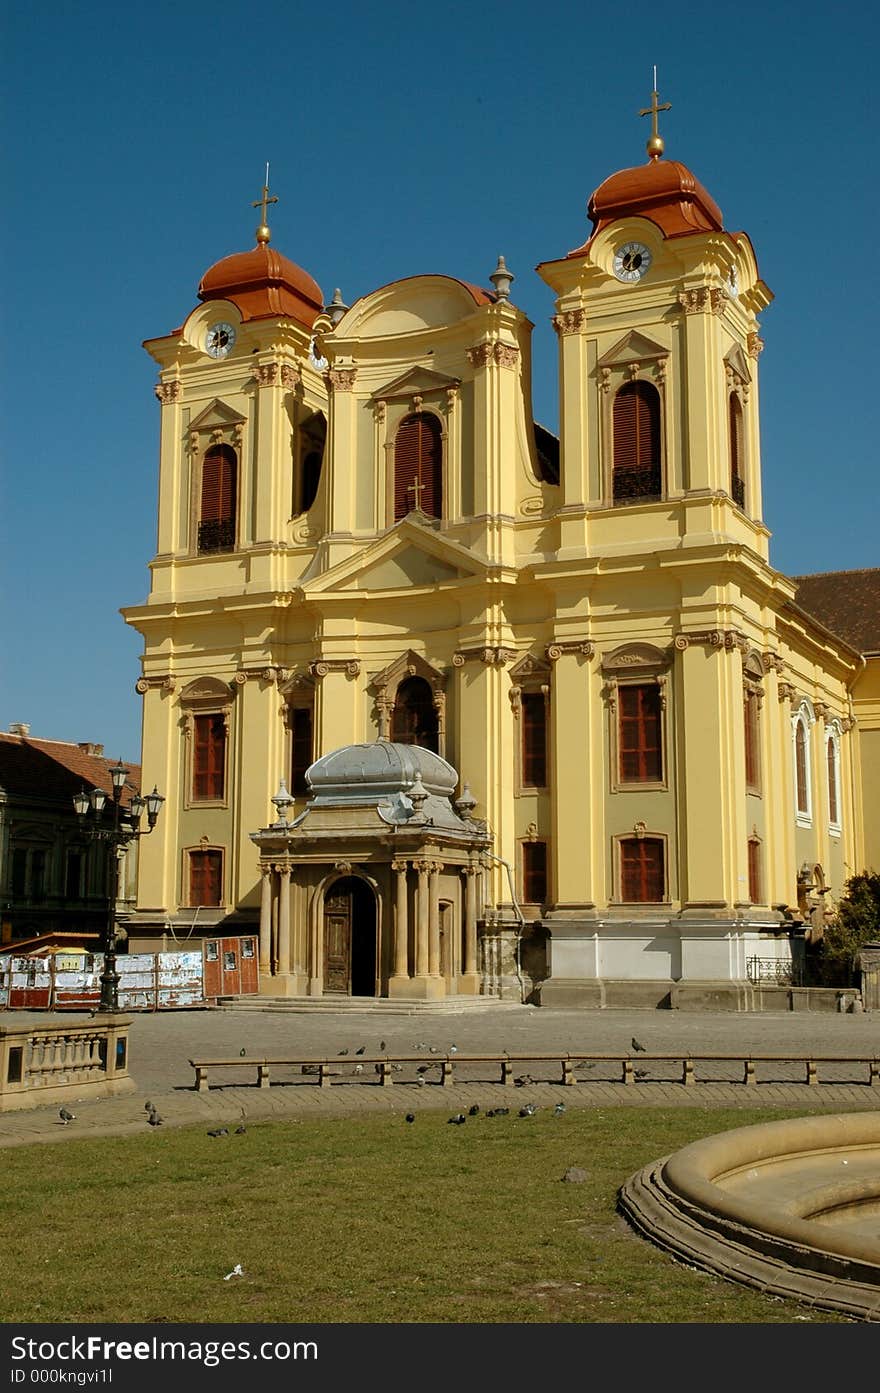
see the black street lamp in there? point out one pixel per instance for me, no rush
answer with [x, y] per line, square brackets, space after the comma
[125, 829]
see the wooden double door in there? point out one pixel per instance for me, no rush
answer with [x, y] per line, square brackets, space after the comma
[351, 958]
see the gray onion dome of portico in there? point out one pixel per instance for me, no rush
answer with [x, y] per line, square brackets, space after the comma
[372, 772]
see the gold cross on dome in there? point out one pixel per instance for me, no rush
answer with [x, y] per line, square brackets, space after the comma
[262, 204]
[655, 143]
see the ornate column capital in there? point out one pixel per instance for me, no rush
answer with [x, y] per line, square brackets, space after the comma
[350, 666]
[492, 656]
[167, 682]
[702, 300]
[570, 322]
[728, 639]
[341, 379]
[267, 374]
[554, 651]
[168, 392]
[754, 345]
[505, 355]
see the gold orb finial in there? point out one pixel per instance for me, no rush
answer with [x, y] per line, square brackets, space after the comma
[263, 234]
[655, 145]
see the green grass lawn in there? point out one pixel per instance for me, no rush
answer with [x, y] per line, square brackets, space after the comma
[366, 1219]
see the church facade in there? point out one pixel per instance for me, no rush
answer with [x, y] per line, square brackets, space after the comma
[364, 540]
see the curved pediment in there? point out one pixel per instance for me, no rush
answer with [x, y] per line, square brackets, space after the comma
[203, 691]
[411, 305]
[638, 657]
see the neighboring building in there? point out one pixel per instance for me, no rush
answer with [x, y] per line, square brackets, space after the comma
[364, 537]
[53, 877]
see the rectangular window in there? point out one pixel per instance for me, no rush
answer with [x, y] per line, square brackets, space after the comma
[640, 733]
[73, 876]
[833, 803]
[300, 720]
[534, 862]
[753, 752]
[19, 873]
[206, 878]
[755, 889]
[642, 877]
[534, 740]
[38, 876]
[209, 758]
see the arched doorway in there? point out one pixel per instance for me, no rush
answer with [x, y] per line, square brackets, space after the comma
[350, 958]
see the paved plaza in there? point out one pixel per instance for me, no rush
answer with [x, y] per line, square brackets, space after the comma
[161, 1045]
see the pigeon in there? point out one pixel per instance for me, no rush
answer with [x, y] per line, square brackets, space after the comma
[242, 1052]
[640, 1073]
[523, 1080]
[528, 1111]
[421, 1080]
[359, 1068]
[219, 1132]
[397, 1068]
[458, 1120]
[453, 1049]
[382, 1046]
[491, 1112]
[590, 1065]
[423, 1068]
[67, 1116]
[559, 1109]
[501, 1112]
[410, 1117]
[343, 1051]
[433, 1049]
[638, 1046]
[472, 1111]
[361, 1050]
[149, 1107]
[236, 1272]
[240, 1131]
[420, 1046]
[154, 1119]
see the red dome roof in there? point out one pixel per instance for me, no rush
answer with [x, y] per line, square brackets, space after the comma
[663, 191]
[262, 284]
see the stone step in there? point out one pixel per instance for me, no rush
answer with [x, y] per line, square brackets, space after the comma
[446, 1006]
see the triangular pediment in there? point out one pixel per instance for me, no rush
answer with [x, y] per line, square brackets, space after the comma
[529, 669]
[633, 347]
[409, 664]
[416, 382]
[410, 556]
[217, 416]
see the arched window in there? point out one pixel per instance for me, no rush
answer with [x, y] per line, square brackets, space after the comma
[832, 750]
[737, 461]
[802, 801]
[217, 509]
[418, 466]
[414, 718]
[313, 439]
[637, 471]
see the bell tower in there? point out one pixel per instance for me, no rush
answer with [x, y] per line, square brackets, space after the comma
[657, 317]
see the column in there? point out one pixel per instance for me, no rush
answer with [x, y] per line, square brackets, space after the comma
[470, 921]
[284, 922]
[434, 918]
[422, 920]
[265, 921]
[401, 925]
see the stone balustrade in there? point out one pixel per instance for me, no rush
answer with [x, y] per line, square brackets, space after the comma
[41, 1064]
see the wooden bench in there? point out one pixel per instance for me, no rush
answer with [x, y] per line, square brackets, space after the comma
[383, 1066]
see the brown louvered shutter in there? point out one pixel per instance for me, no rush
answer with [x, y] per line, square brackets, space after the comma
[636, 425]
[833, 803]
[737, 482]
[755, 894]
[534, 856]
[640, 725]
[800, 761]
[534, 740]
[301, 747]
[641, 870]
[205, 878]
[753, 762]
[209, 757]
[217, 513]
[418, 466]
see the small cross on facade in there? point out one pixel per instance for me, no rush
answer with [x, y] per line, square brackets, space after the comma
[416, 487]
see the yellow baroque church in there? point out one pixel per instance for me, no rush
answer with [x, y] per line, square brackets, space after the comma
[445, 706]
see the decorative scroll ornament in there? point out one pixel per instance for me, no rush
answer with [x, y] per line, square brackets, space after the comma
[168, 392]
[506, 355]
[728, 639]
[492, 657]
[342, 379]
[166, 683]
[785, 691]
[266, 374]
[771, 662]
[704, 300]
[343, 867]
[554, 651]
[350, 666]
[571, 322]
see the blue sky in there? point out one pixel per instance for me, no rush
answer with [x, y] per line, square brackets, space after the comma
[402, 139]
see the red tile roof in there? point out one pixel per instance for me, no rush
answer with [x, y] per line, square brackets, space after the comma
[57, 769]
[847, 603]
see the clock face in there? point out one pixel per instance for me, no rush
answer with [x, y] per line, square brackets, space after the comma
[631, 261]
[219, 340]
